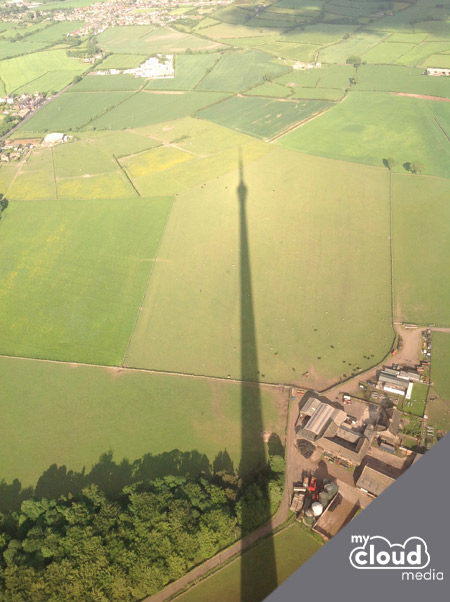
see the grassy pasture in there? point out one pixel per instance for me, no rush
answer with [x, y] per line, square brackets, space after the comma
[55, 32]
[79, 159]
[318, 94]
[290, 51]
[369, 127]
[336, 76]
[51, 81]
[17, 72]
[10, 49]
[417, 55]
[357, 44]
[225, 31]
[151, 107]
[101, 83]
[154, 161]
[395, 78]
[80, 412]
[387, 52]
[62, 299]
[421, 235]
[122, 144]
[438, 60]
[123, 61]
[102, 186]
[239, 71]
[320, 33]
[143, 39]
[261, 117]
[71, 111]
[7, 173]
[440, 374]
[270, 89]
[308, 78]
[35, 179]
[193, 173]
[292, 547]
[189, 70]
[303, 309]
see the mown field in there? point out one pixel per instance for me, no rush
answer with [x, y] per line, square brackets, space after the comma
[62, 298]
[308, 251]
[261, 117]
[80, 412]
[292, 548]
[421, 235]
[71, 111]
[369, 127]
[20, 73]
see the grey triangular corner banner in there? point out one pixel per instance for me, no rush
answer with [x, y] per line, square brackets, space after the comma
[415, 506]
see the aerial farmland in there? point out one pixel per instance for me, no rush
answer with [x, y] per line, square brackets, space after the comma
[121, 237]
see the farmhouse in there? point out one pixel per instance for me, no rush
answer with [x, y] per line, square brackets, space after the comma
[438, 71]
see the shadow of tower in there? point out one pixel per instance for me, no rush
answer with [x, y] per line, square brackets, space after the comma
[253, 449]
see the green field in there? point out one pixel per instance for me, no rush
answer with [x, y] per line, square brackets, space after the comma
[369, 127]
[416, 405]
[189, 70]
[239, 71]
[60, 297]
[123, 61]
[147, 39]
[387, 52]
[395, 78]
[82, 158]
[440, 372]
[100, 83]
[261, 117]
[357, 44]
[79, 412]
[421, 241]
[22, 70]
[122, 144]
[304, 305]
[292, 548]
[72, 111]
[56, 31]
[147, 107]
[9, 49]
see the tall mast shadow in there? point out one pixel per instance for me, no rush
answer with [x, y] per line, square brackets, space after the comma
[253, 571]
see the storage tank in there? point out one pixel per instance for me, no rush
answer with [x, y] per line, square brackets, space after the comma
[331, 489]
[324, 498]
[317, 508]
[309, 517]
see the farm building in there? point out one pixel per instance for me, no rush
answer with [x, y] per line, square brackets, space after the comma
[315, 417]
[438, 71]
[156, 67]
[373, 481]
[54, 138]
[399, 382]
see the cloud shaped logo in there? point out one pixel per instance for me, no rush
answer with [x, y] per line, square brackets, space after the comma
[378, 553]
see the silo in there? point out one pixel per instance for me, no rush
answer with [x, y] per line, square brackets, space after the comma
[331, 489]
[317, 509]
[324, 498]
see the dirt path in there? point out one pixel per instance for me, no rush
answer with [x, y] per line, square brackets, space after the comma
[422, 96]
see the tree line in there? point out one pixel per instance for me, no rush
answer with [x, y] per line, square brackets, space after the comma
[102, 544]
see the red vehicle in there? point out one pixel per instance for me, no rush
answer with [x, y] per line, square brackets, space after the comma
[313, 484]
